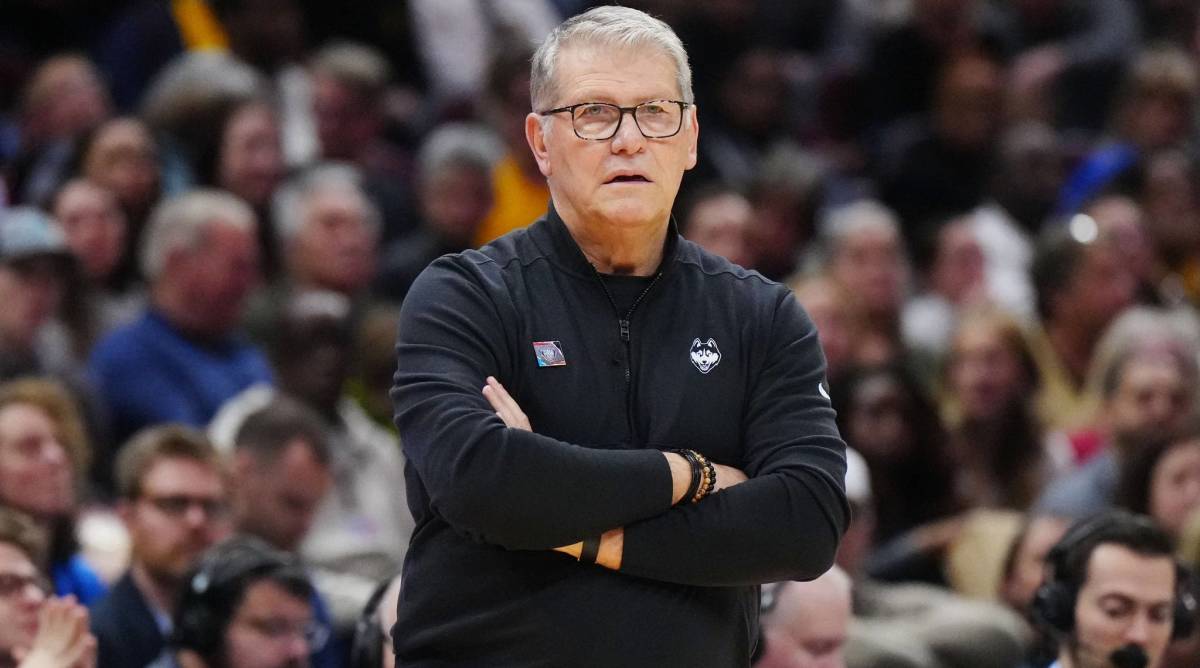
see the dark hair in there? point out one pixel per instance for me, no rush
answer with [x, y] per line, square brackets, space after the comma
[267, 432]
[1137, 470]
[1057, 259]
[926, 473]
[1069, 559]
[217, 584]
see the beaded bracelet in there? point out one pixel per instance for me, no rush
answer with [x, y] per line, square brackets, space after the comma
[708, 477]
[692, 458]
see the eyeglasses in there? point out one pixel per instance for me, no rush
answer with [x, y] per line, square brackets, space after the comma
[12, 584]
[315, 634]
[178, 505]
[598, 121]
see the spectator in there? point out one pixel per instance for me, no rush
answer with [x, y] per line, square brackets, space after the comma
[1113, 588]
[1121, 220]
[350, 100]
[173, 502]
[455, 196]
[955, 280]
[865, 254]
[805, 624]
[36, 629]
[786, 193]
[1081, 287]
[64, 100]
[1162, 480]
[96, 231]
[122, 156]
[329, 231]
[1030, 168]
[182, 359]
[837, 319]
[244, 158]
[1148, 380]
[996, 441]
[718, 219]
[279, 475]
[885, 416]
[35, 265]
[362, 528]
[1154, 113]
[245, 605]
[44, 457]
[929, 173]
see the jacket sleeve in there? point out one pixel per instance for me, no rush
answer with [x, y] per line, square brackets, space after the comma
[506, 487]
[784, 523]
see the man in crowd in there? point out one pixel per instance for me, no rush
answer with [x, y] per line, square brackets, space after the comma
[245, 605]
[620, 342]
[173, 503]
[1113, 595]
[805, 624]
[182, 359]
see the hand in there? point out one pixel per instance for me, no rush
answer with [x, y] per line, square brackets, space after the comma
[506, 407]
[62, 639]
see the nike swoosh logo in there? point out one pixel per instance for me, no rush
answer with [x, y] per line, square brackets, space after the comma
[821, 389]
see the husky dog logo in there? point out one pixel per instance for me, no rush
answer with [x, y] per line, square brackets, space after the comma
[705, 355]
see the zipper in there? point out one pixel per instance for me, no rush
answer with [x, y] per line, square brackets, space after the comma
[623, 324]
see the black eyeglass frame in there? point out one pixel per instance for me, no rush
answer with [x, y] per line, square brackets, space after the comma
[632, 111]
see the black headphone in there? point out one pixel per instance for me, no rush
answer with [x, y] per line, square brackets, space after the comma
[215, 588]
[367, 649]
[1053, 604]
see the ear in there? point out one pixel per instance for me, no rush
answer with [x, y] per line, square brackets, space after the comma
[536, 136]
[712, 343]
[693, 130]
[695, 342]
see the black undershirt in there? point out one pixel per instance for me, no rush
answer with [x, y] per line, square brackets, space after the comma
[625, 289]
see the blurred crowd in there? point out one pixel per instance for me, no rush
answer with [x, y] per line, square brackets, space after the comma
[211, 210]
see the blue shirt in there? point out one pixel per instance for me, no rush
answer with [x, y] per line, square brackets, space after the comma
[76, 578]
[149, 372]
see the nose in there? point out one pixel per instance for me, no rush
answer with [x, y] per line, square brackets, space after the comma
[1139, 630]
[629, 138]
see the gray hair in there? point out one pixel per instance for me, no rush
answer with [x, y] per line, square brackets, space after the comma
[290, 205]
[196, 84]
[458, 144]
[355, 65]
[606, 26]
[182, 222]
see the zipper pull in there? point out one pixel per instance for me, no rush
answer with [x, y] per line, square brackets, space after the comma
[624, 330]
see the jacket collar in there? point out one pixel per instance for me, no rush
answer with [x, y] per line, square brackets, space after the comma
[564, 251]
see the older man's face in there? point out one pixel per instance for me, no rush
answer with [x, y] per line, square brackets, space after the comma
[627, 180]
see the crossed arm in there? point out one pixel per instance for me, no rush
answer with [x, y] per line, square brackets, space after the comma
[612, 542]
[485, 474]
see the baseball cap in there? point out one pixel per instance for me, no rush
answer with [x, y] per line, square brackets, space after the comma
[26, 232]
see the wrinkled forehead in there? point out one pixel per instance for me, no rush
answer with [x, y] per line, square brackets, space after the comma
[595, 60]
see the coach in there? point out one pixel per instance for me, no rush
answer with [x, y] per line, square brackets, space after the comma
[620, 530]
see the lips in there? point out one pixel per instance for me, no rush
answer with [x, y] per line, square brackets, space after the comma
[627, 177]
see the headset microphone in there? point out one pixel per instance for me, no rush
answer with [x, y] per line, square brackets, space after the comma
[1130, 656]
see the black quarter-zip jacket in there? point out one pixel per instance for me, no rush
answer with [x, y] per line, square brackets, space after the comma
[711, 357]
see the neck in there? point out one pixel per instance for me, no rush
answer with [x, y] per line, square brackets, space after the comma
[634, 250]
[160, 593]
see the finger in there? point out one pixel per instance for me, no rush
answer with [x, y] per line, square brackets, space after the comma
[503, 396]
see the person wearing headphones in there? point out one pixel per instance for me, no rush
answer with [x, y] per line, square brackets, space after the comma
[246, 605]
[1114, 596]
